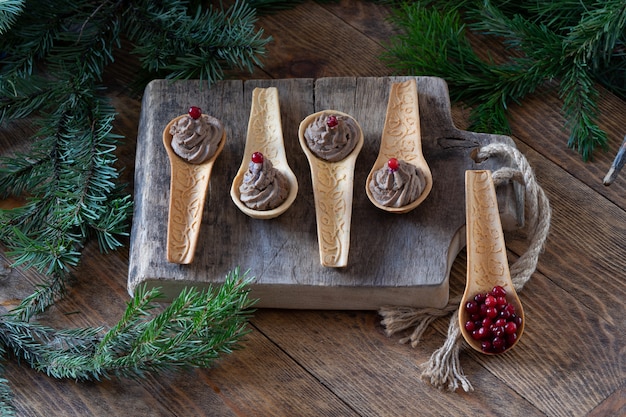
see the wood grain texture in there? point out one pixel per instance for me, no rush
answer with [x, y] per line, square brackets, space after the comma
[585, 249]
[384, 369]
[614, 405]
[331, 52]
[550, 137]
[406, 265]
[570, 361]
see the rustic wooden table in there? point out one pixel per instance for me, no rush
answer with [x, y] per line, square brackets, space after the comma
[570, 361]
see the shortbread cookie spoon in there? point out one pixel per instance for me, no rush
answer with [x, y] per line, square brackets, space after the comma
[491, 317]
[400, 179]
[193, 142]
[265, 186]
[331, 141]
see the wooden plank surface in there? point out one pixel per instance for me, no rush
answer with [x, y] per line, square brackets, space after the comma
[569, 363]
[394, 259]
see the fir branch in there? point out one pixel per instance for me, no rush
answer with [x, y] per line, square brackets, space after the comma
[6, 396]
[46, 294]
[69, 174]
[192, 331]
[182, 49]
[570, 42]
[9, 11]
[579, 105]
[586, 45]
[73, 184]
[534, 41]
[22, 96]
[52, 57]
[31, 39]
[600, 30]
[444, 51]
[590, 45]
[27, 341]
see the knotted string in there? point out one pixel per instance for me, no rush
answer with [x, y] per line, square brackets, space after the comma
[443, 369]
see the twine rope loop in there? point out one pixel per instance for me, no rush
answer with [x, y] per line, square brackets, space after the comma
[443, 370]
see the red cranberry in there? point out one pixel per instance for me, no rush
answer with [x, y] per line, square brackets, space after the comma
[498, 331]
[501, 301]
[490, 301]
[257, 158]
[510, 308]
[471, 307]
[498, 291]
[510, 328]
[482, 309]
[498, 343]
[492, 320]
[511, 339]
[486, 322]
[195, 112]
[332, 121]
[482, 332]
[504, 314]
[393, 164]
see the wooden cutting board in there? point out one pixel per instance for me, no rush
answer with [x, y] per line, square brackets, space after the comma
[393, 259]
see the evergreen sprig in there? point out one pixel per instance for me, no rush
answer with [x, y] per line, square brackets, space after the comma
[192, 331]
[6, 397]
[53, 55]
[573, 43]
[179, 46]
[9, 11]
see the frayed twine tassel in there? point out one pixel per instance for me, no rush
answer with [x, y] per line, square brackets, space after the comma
[443, 369]
[397, 319]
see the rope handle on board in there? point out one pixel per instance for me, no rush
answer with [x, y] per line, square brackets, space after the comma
[443, 369]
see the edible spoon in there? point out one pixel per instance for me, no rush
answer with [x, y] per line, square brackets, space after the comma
[333, 184]
[487, 264]
[401, 139]
[188, 188]
[265, 135]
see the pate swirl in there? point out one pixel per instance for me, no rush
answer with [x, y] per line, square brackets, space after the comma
[399, 187]
[263, 186]
[196, 140]
[332, 141]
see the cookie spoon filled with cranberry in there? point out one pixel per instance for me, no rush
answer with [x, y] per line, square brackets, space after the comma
[491, 316]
